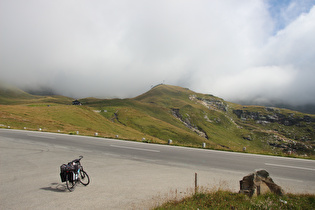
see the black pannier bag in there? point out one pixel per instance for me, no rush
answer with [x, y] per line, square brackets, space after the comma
[63, 176]
[63, 172]
[69, 169]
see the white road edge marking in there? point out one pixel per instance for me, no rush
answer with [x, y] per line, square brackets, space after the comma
[134, 148]
[291, 180]
[270, 164]
[41, 136]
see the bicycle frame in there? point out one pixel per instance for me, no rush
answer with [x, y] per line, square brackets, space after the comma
[72, 173]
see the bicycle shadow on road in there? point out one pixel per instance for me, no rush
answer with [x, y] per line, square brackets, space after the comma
[55, 187]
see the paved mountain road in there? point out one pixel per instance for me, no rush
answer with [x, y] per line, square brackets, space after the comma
[124, 174]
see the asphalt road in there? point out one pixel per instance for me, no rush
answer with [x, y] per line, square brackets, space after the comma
[124, 174]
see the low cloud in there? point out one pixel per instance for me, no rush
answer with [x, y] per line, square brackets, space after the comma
[254, 84]
[121, 48]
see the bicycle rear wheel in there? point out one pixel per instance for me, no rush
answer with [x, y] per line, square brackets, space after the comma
[84, 178]
[70, 182]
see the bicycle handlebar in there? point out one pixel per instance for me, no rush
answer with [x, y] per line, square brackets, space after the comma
[77, 160]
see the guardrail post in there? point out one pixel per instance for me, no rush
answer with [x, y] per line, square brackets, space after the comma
[95, 134]
[203, 145]
[170, 141]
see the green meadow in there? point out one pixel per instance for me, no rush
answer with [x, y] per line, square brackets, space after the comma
[164, 112]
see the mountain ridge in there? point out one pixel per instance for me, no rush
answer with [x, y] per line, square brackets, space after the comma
[188, 118]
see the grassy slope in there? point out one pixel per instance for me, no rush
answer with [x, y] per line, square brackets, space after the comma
[222, 132]
[12, 95]
[150, 116]
[228, 200]
[19, 109]
[65, 118]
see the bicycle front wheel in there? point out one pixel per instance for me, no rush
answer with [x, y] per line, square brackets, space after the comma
[70, 182]
[84, 178]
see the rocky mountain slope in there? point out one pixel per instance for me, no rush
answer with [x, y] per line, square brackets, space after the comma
[187, 118]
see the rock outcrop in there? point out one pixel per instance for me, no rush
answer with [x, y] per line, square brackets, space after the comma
[272, 117]
[210, 103]
[288, 132]
[189, 125]
[259, 183]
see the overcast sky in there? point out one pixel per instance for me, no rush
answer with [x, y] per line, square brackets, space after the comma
[238, 50]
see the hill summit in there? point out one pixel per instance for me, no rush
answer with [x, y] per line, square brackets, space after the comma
[187, 118]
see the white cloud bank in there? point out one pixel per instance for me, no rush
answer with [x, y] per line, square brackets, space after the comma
[120, 48]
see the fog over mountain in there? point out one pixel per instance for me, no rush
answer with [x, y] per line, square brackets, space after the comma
[248, 50]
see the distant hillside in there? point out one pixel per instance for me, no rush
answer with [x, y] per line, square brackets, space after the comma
[10, 95]
[184, 116]
[40, 91]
